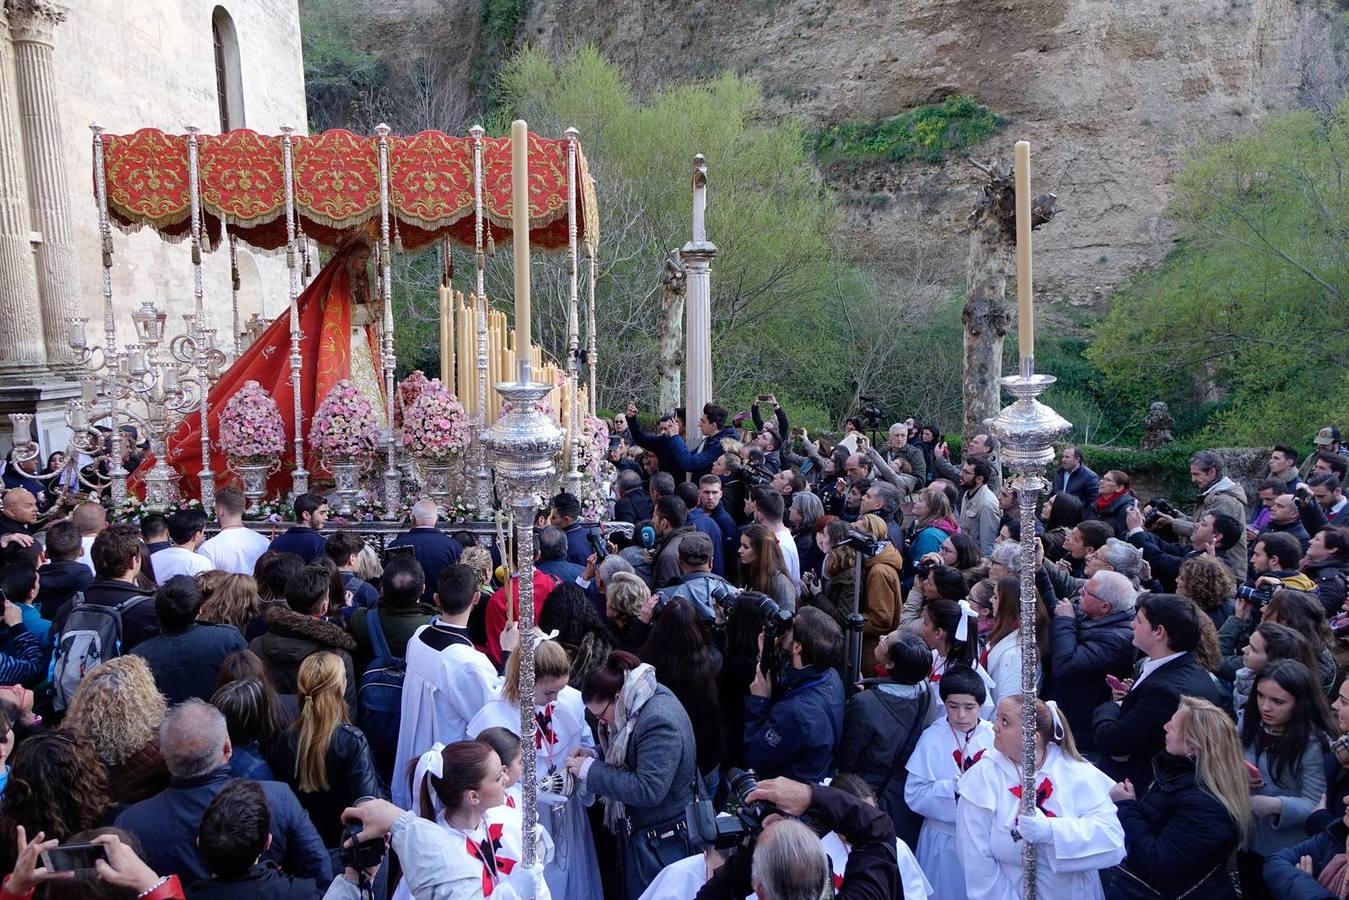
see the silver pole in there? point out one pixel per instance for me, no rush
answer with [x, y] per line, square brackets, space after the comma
[391, 478]
[574, 430]
[206, 475]
[299, 479]
[484, 478]
[118, 474]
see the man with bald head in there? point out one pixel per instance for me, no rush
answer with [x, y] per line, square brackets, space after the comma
[433, 548]
[18, 512]
[91, 519]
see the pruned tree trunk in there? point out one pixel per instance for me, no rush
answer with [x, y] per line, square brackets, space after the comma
[670, 334]
[986, 318]
[987, 314]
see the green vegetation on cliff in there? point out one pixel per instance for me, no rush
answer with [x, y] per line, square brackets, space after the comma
[926, 133]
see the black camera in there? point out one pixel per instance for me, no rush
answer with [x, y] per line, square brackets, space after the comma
[597, 543]
[755, 475]
[1160, 506]
[357, 854]
[923, 568]
[871, 413]
[1257, 595]
[862, 542]
[707, 829]
[776, 620]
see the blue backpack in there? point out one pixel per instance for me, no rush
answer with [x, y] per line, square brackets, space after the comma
[380, 698]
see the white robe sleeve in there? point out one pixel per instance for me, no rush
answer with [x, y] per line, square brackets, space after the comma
[984, 878]
[428, 862]
[1092, 840]
[927, 794]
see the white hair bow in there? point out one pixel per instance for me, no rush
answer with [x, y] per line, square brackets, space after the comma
[963, 626]
[1058, 722]
[432, 762]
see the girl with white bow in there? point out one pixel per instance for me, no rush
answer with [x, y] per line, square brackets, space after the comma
[560, 728]
[951, 629]
[462, 788]
[1073, 824]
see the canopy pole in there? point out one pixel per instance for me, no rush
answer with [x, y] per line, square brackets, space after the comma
[392, 481]
[484, 478]
[299, 478]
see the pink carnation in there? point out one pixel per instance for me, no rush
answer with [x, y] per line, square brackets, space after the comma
[250, 423]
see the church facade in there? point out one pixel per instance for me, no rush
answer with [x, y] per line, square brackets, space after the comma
[123, 64]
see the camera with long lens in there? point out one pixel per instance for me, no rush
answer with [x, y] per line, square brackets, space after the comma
[755, 475]
[1257, 595]
[776, 620]
[871, 413]
[1160, 507]
[708, 830]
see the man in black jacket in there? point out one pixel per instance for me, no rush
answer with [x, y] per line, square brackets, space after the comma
[186, 658]
[1218, 530]
[789, 861]
[235, 831]
[117, 564]
[1128, 732]
[633, 503]
[433, 548]
[303, 538]
[298, 628]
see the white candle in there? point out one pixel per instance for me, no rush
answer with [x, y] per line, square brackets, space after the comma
[76, 334]
[137, 362]
[1025, 300]
[170, 379]
[520, 228]
[88, 391]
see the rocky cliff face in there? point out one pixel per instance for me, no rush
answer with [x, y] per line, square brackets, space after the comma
[1111, 95]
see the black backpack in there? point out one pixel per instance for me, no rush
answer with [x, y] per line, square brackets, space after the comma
[380, 697]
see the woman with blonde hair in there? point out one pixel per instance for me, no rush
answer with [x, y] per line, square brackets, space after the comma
[932, 523]
[325, 760]
[233, 601]
[559, 715]
[627, 602]
[1207, 581]
[118, 707]
[763, 568]
[1179, 836]
[1072, 825]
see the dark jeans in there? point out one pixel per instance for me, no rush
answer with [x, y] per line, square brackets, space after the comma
[1250, 870]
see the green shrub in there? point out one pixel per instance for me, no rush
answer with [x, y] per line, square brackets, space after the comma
[925, 132]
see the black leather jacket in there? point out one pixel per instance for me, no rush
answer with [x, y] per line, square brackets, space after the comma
[352, 774]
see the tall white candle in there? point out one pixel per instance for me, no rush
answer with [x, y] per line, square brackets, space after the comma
[520, 229]
[1025, 300]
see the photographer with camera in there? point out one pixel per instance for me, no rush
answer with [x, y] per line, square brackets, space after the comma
[787, 860]
[1321, 502]
[712, 425]
[1217, 494]
[235, 831]
[696, 582]
[1213, 533]
[794, 716]
[461, 845]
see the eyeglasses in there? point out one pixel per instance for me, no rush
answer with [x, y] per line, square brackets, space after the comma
[604, 712]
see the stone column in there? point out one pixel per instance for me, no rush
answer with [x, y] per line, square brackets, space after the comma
[31, 26]
[22, 351]
[697, 256]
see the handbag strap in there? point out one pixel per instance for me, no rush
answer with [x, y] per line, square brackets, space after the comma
[378, 641]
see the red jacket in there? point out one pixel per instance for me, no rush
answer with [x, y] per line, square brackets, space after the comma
[168, 889]
[496, 611]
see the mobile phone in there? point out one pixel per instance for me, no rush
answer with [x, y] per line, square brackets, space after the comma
[1114, 682]
[798, 430]
[73, 857]
[1253, 770]
[762, 398]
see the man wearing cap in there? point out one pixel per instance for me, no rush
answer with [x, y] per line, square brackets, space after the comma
[696, 582]
[1327, 440]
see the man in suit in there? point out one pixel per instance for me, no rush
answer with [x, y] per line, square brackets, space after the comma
[633, 503]
[433, 548]
[565, 514]
[1073, 477]
[1128, 732]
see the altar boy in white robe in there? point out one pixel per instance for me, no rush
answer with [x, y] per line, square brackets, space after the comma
[1073, 825]
[560, 728]
[947, 750]
[448, 679]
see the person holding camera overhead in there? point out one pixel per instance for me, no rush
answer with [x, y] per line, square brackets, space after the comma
[794, 717]
[647, 772]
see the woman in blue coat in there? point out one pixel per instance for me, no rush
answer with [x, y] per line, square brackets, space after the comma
[1179, 836]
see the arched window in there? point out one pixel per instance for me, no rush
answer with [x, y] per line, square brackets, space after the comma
[229, 82]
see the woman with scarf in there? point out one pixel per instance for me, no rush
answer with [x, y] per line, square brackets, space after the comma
[561, 729]
[1114, 501]
[933, 521]
[647, 774]
[1072, 825]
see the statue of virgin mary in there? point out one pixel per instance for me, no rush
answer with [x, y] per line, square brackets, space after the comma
[339, 326]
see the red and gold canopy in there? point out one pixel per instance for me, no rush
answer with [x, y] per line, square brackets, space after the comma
[242, 178]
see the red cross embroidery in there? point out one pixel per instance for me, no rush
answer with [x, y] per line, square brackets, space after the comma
[544, 733]
[1042, 793]
[963, 765]
[488, 851]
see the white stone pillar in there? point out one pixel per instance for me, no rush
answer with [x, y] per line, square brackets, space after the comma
[22, 351]
[32, 24]
[697, 255]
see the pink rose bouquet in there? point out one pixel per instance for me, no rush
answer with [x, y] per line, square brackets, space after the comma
[250, 424]
[344, 424]
[434, 425]
[409, 389]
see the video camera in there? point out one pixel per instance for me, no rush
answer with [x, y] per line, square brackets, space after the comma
[862, 542]
[871, 413]
[755, 475]
[708, 830]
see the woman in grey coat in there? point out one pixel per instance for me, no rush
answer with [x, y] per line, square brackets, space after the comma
[646, 776]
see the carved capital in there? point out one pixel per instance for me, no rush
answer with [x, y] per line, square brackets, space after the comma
[34, 21]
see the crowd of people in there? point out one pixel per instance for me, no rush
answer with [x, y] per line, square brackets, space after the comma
[802, 673]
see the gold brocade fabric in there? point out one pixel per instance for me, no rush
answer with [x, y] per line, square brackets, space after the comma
[366, 375]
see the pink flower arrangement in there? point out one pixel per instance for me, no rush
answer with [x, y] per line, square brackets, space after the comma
[250, 424]
[344, 424]
[592, 444]
[434, 424]
[409, 389]
[542, 406]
